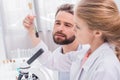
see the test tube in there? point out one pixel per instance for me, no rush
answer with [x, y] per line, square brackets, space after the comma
[30, 5]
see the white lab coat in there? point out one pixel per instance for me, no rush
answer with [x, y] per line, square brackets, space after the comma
[58, 61]
[102, 64]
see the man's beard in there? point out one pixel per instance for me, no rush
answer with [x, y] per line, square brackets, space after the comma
[65, 41]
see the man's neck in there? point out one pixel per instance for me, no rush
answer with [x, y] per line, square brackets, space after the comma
[70, 47]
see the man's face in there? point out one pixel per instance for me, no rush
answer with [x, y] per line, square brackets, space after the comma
[63, 32]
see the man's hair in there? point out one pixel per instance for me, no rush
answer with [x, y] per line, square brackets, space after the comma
[66, 7]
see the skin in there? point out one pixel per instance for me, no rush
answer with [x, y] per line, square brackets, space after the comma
[87, 36]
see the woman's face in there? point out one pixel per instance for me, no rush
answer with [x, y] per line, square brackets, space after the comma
[83, 34]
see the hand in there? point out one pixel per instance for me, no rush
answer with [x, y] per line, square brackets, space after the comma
[28, 22]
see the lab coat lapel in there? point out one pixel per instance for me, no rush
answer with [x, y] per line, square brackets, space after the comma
[91, 62]
[94, 56]
[76, 67]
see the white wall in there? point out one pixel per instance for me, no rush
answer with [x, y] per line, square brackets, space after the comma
[15, 35]
[2, 49]
[118, 3]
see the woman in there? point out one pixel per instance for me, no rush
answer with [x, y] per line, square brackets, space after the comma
[97, 24]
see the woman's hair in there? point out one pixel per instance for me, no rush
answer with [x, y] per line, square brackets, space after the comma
[102, 15]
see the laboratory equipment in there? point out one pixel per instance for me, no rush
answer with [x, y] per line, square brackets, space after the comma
[32, 12]
[25, 73]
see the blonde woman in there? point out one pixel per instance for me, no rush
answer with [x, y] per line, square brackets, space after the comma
[97, 24]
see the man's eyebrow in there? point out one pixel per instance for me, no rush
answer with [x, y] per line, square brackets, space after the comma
[57, 20]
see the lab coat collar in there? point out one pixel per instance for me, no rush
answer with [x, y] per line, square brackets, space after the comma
[94, 56]
[60, 50]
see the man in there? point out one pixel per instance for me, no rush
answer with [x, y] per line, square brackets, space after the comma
[64, 35]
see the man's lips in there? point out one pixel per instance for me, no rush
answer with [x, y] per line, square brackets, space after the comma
[60, 35]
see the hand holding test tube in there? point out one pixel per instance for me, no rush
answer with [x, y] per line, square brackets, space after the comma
[34, 21]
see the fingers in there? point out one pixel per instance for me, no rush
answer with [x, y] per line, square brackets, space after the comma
[31, 17]
[28, 21]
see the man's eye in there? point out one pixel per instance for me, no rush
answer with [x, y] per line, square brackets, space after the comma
[57, 23]
[67, 25]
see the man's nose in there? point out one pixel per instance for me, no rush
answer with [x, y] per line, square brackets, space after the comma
[61, 27]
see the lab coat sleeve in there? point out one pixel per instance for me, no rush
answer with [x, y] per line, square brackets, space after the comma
[49, 59]
[45, 56]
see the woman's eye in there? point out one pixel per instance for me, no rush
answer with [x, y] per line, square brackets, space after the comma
[77, 27]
